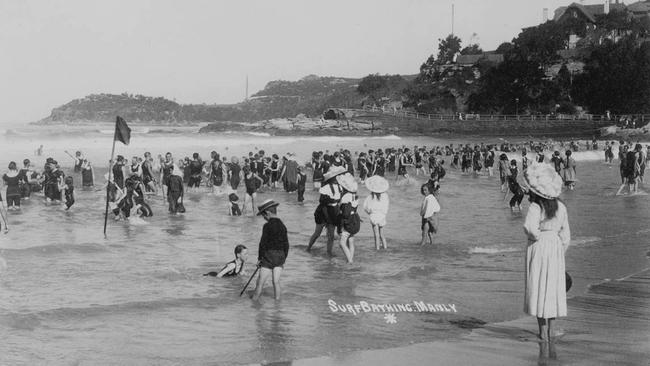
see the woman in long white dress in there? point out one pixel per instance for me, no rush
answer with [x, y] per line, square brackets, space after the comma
[547, 228]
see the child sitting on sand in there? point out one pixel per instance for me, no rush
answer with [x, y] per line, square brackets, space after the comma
[234, 267]
[429, 212]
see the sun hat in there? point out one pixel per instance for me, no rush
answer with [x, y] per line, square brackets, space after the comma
[333, 172]
[377, 184]
[347, 182]
[233, 197]
[543, 180]
[266, 205]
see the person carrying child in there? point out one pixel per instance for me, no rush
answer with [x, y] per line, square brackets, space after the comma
[429, 212]
[349, 221]
[234, 267]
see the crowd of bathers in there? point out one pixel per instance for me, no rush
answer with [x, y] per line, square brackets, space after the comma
[130, 182]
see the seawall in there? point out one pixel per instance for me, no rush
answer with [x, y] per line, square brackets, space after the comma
[524, 126]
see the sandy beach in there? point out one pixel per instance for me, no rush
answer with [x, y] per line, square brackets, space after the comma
[610, 325]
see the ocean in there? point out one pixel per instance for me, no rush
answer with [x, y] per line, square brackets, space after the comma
[69, 295]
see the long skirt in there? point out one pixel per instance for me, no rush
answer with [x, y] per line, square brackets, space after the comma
[545, 279]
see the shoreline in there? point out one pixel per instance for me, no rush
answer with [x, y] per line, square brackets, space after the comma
[604, 326]
[383, 125]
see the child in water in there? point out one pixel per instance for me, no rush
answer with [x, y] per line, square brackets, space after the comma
[234, 267]
[67, 191]
[429, 212]
[517, 191]
[233, 205]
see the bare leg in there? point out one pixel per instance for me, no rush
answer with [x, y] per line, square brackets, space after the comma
[330, 239]
[543, 329]
[317, 231]
[425, 230]
[261, 280]
[376, 231]
[550, 328]
[277, 290]
[343, 244]
[383, 239]
[351, 246]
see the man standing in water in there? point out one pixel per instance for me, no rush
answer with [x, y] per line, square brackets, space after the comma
[273, 249]
[148, 175]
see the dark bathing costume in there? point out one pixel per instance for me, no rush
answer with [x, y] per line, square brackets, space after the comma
[274, 244]
[13, 189]
[327, 209]
[196, 167]
[234, 176]
[233, 272]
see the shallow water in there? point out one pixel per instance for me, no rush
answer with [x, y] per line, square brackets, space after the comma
[71, 296]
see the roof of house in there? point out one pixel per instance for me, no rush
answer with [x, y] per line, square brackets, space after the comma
[640, 7]
[589, 11]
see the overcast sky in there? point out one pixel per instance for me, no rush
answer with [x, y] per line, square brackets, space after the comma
[197, 51]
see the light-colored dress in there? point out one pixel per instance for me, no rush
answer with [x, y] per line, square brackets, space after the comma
[570, 170]
[548, 239]
[377, 209]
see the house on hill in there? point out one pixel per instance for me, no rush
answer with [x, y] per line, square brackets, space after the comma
[640, 9]
[588, 15]
[587, 12]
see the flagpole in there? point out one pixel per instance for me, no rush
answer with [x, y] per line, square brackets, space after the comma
[110, 173]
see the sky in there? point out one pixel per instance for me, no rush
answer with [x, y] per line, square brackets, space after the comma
[201, 51]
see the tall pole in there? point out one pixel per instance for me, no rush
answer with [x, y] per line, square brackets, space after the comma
[452, 19]
[110, 173]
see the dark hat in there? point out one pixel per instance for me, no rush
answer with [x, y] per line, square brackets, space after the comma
[233, 197]
[266, 205]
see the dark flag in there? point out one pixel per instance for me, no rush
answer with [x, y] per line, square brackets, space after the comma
[122, 131]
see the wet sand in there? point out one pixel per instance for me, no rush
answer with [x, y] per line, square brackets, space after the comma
[610, 325]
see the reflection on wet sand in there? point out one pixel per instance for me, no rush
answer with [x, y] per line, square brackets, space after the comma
[547, 354]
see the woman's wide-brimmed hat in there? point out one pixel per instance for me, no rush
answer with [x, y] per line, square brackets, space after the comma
[347, 182]
[266, 205]
[543, 180]
[377, 184]
[333, 172]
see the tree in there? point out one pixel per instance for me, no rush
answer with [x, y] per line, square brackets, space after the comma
[616, 78]
[472, 49]
[376, 86]
[504, 48]
[447, 49]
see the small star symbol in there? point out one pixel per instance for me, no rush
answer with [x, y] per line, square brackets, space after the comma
[390, 318]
